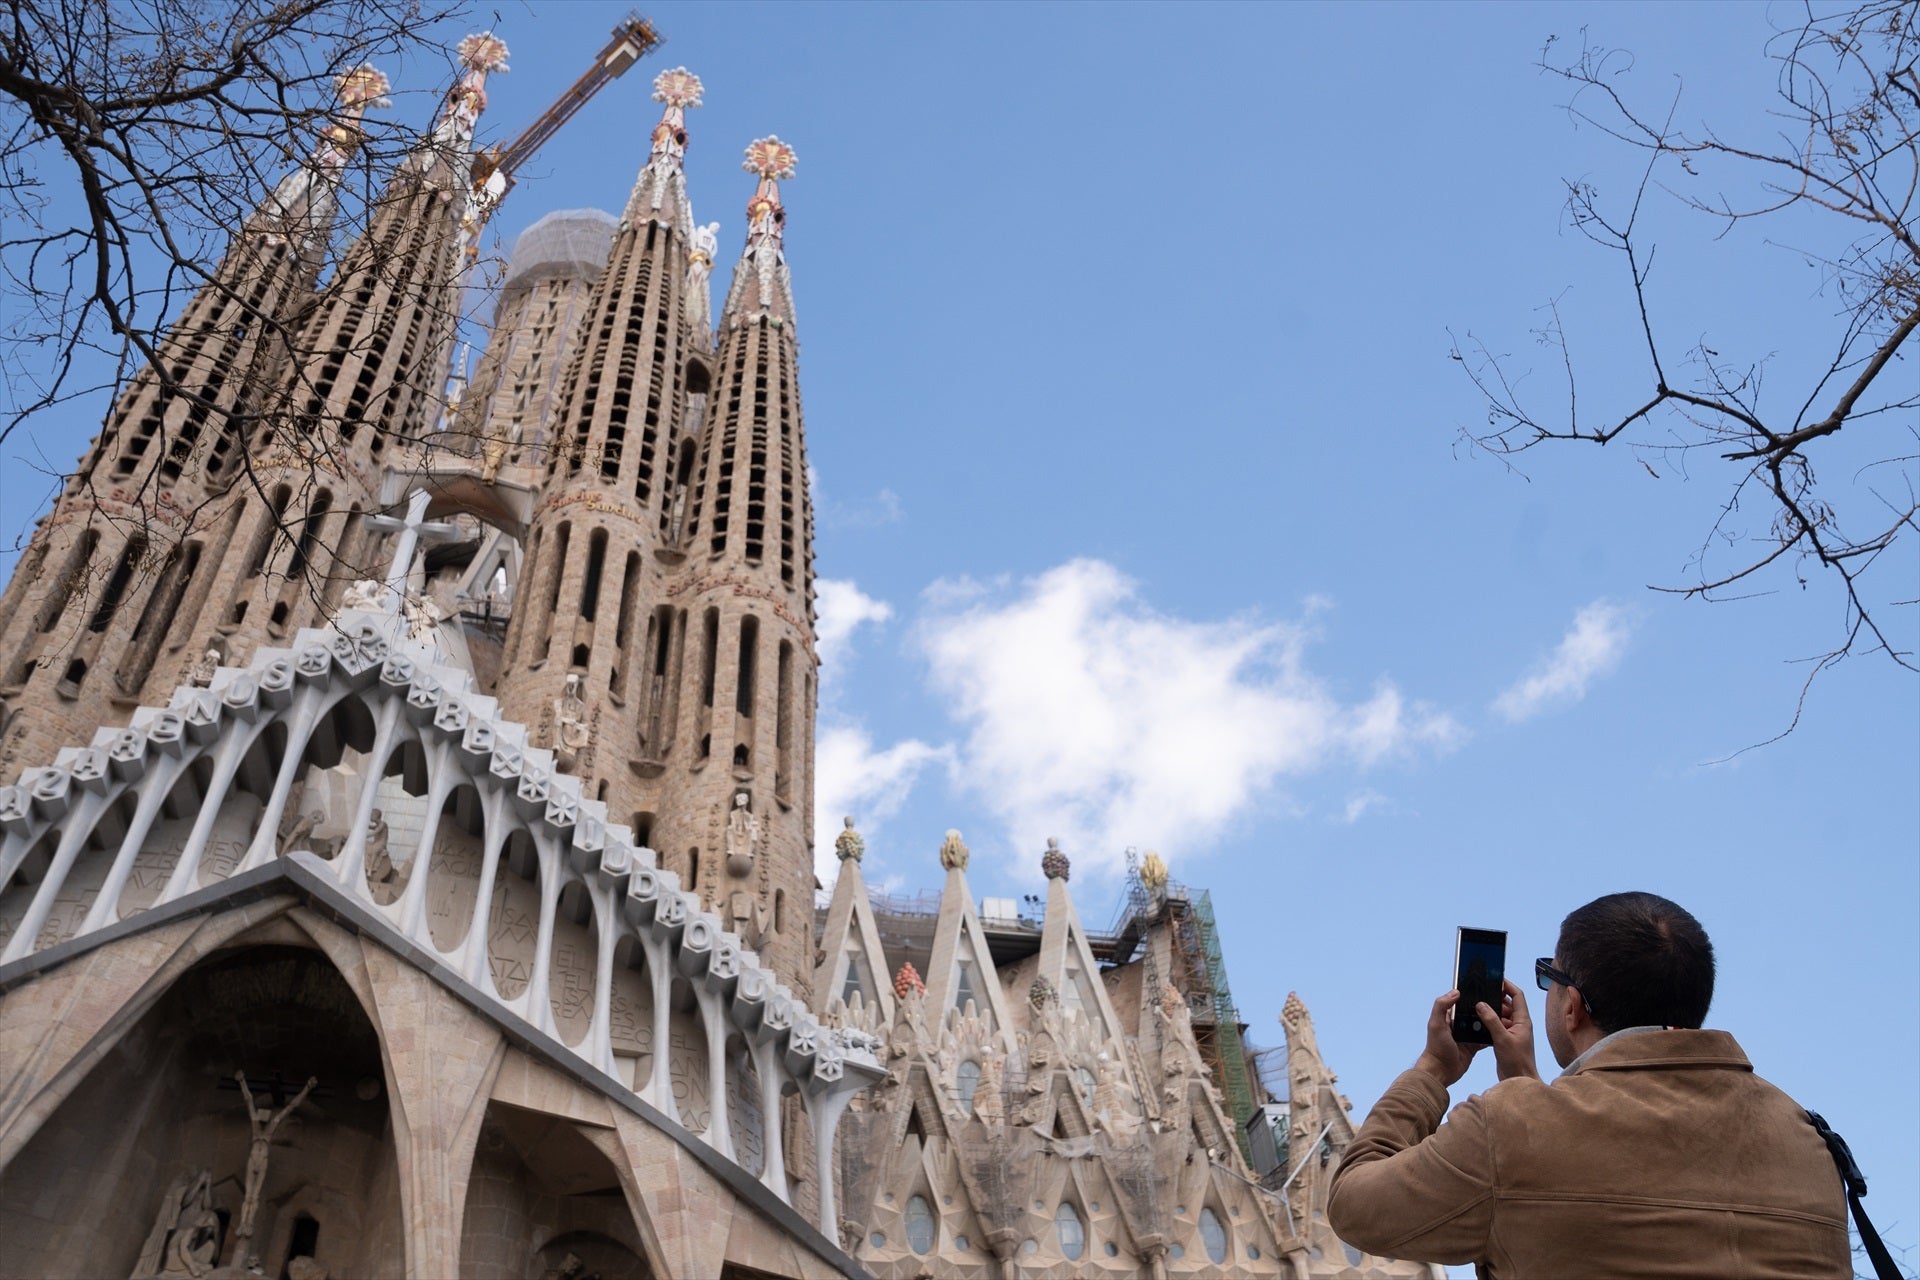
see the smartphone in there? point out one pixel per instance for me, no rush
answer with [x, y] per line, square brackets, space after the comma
[1479, 967]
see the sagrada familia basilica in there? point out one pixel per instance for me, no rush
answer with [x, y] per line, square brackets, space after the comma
[406, 819]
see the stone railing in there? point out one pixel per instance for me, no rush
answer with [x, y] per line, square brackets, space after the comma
[77, 855]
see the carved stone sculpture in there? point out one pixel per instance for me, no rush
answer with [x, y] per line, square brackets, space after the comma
[1110, 1109]
[264, 1121]
[907, 982]
[203, 670]
[1153, 871]
[193, 1244]
[423, 615]
[572, 733]
[379, 862]
[743, 836]
[953, 853]
[366, 594]
[988, 1105]
[299, 833]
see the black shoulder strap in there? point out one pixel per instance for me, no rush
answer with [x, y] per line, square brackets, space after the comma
[1856, 1185]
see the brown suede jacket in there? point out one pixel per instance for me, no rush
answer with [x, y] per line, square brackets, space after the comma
[1661, 1155]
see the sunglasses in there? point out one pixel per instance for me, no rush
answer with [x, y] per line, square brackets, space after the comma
[1546, 975]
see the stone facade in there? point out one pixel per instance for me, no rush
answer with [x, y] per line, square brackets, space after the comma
[405, 860]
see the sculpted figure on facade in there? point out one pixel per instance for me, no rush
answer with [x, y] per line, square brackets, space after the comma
[571, 731]
[203, 671]
[380, 869]
[743, 835]
[423, 615]
[193, 1244]
[297, 832]
[366, 594]
[1110, 1109]
[988, 1105]
[264, 1122]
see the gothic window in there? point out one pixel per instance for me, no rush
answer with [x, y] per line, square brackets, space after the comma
[596, 566]
[963, 987]
[1072, 1232]
[1213, 1234]
[743, 691]
[852, 985]
[966, 1081]
[130, 558]
[920, 1225]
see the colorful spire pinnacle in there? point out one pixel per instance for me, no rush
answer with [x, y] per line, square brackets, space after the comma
[479, 54]
[773, 161]
[679, 89]
[364, 86]
[295, 200]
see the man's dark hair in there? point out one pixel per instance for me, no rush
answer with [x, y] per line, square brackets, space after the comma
[1639, 960]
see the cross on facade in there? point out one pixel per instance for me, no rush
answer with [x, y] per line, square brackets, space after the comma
[277, 1087]
[413, 529]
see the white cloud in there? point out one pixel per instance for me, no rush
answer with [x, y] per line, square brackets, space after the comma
[839, 608]
[1092, 717]
[1361, 803]
[1590, 649]
[851, 778]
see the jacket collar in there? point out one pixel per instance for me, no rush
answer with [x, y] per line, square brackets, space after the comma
[1637, 1048]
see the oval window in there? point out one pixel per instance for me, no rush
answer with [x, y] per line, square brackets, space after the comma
[1213, 1235]
[966, 1079]
[1073, 1234]
[919, 1225]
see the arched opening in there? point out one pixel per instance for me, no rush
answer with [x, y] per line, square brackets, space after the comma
[630, 1014]
[398, 820]
[687, 1059]
[1213, 1234]
[1071, 1231]
[167, 838]
[513, 921]
[459, 842]
[169, 1140]
[573, 963]
[966, 1083]
[922, 1228]
[744, 1120]
[320, 807]
[543, 1200]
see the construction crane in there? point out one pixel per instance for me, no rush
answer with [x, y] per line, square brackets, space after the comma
[494, 169]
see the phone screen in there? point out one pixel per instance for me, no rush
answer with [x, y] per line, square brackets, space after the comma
[1479, 967]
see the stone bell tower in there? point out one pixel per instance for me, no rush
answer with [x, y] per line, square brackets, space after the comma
[590, 644]
[92, 622]
[736, 817]
[365, 380]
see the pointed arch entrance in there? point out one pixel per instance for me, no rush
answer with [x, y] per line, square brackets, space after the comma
[161, 1127]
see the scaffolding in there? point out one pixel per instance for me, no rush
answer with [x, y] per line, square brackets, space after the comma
[1200, 976]
[1216, 1022]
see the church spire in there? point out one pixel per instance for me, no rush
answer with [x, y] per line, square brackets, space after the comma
[761, 283]
[301, 207]
[132, 545]
[662, 182]
[368, 374]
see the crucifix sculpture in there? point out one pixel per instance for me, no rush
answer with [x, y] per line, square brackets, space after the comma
[413, 529]
[264, 1121]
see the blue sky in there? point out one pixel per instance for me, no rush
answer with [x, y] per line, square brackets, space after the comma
[1144, 516]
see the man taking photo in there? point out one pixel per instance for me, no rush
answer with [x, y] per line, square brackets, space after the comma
[1656, 1152]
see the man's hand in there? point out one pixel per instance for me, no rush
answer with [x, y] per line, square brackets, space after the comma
[1445, 1059]
[1512, 1033]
